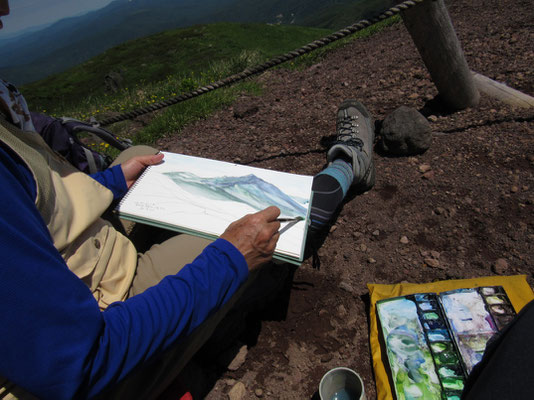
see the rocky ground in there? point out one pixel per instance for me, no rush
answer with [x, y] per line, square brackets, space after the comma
[462, 209]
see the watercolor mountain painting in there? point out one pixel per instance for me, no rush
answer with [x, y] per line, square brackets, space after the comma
[202, 197]
[248, 189]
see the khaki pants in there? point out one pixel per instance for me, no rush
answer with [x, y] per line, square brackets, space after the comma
[167, 258]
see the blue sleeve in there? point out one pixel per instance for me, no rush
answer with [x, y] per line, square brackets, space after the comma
[54, 340]
[113, 179]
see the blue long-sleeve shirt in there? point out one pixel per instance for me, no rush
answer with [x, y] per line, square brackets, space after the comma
[54, 340]
[113, 179]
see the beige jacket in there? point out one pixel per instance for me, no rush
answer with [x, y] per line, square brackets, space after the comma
[71, 204]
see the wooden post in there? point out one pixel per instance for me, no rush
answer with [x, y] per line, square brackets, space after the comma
[431, 29]
[502, 92]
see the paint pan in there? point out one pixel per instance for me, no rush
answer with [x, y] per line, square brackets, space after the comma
[450, 371]
[498, 305]
[444, 352]
[453, 396]
[502, 320]
[437, 335]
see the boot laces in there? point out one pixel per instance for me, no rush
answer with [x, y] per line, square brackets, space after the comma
[348, 130]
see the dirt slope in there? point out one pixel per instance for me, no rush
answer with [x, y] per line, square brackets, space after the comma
[474, 207]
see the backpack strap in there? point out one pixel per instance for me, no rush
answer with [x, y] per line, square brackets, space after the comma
[95, 128]
[90, 160]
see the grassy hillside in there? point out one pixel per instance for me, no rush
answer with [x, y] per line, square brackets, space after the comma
[188, 52]
[164, 65]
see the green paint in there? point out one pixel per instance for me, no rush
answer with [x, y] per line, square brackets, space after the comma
[446, 357]
[439, 347]
[431, 316]
[494, 300]
[453, 383]
[446, 372]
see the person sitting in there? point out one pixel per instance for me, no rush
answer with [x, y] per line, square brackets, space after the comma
[83, 309]
[87, 315]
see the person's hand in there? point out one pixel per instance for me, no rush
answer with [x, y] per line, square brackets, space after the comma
[255, 236]
[133, 168]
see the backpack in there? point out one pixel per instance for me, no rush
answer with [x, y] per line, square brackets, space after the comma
[61, 135]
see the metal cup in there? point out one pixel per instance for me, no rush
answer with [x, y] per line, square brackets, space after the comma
[341, 384]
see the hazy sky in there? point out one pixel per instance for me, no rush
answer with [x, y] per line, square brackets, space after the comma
[28, 13]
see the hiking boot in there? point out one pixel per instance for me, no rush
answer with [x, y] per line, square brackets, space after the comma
[354, 143]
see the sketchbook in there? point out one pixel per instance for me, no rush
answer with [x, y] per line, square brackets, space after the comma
[433, 340]
[202, 197]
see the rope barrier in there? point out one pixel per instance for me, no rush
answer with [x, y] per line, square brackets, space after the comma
[248, 72]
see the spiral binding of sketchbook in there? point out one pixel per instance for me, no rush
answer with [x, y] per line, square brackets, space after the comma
[131, 189]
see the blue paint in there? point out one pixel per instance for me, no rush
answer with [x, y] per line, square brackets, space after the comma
[427, 305]
[438, 335]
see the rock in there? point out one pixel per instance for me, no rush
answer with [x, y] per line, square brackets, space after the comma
[234, 357]
[432, 262]
[428, 175]
[326, 357]
[376, 233]
[239, 359]
[371, 260]
[500, 266]
[405, 132]
[424, 168]
[346, 287]
[404, 240]
[435, 254]
[341, 311]
[244, 109]
[113, 81]
[440, 211]
[238, 392]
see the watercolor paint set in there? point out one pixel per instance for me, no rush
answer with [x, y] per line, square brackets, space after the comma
[433, 340]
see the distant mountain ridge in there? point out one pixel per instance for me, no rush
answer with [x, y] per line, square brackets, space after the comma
[248, 189]
[71, 41]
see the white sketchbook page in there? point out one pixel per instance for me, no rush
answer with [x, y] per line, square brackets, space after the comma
[202, 206]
